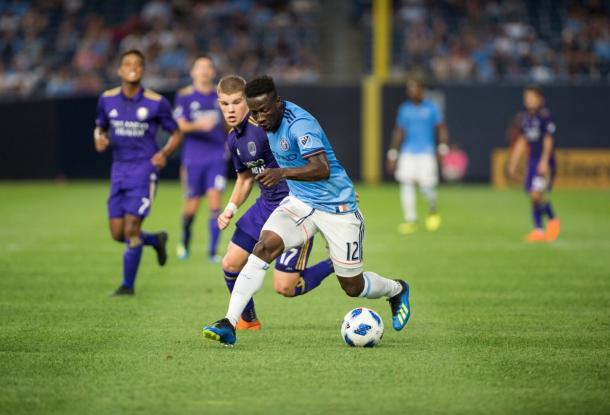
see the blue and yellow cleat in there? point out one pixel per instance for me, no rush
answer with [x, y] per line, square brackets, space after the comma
[401, 310]
[221, 331]
[181, 252]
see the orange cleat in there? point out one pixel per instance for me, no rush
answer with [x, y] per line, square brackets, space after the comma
[535, 236]
[552, 230]
[248, 325]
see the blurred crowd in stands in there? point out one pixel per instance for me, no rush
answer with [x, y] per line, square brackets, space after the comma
[501, 40]
[70, 47]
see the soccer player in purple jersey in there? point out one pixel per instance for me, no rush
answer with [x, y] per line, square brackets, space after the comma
[251, 154]
[127, 120]
[537, 134]
[203, 153]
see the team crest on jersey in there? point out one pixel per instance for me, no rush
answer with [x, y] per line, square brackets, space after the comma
[113, 113]
[194, 105]
[142, 113]
[251, 148]
[284, 145]
[305, 141]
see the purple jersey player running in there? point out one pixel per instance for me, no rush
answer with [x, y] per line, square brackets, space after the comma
[537, 132]
[203, 153]
[251, 154]
[127, 120]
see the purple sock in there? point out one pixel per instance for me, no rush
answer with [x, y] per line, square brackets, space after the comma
[548, 210]
[249, 313]
[131, 262]
[312, 276]
[187, 221]
[537, 216]
[149, 239]
[214, 232]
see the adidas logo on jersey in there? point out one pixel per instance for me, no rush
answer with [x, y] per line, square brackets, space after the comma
[113, 113]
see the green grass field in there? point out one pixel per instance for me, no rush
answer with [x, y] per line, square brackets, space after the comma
[498, 326]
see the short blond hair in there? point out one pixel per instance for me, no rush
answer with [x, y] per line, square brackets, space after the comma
[231, 84]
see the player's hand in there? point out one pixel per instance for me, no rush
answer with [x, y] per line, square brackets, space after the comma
[101, 142]
[357, 197]
[224, 219]
[159, 160]
[390, 166]
[542, 168]
[269, 177]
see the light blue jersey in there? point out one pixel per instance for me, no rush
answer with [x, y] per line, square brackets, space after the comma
[419, 125]
[299, 137]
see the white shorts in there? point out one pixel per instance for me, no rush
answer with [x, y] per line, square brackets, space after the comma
[295, 222]
[417, 168]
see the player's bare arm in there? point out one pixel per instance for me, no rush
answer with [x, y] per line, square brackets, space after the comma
[100, 137]
[159, 160]
[515, 155]
[241, 192]
[442, 134]
[547, 150]
[398, 136]
[316, 169]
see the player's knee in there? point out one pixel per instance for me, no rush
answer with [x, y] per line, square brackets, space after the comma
[287, 290]
[229, 265]
[351, 290]
[117, 235]
[269, 247]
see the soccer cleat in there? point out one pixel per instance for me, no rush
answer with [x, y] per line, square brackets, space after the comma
[401, 310]
[123, 290]
[407, 228]
[552, 230]
[181, 252]
[535, 236]
[433, 222]
[222, 331]
[161, 249]
[248, 325]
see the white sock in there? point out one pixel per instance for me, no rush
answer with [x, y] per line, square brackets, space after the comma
[407, 197]
[248, 282]
[430, 195]
[376, 286]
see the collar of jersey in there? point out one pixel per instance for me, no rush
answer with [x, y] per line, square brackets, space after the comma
[239, 129]
[137, 97]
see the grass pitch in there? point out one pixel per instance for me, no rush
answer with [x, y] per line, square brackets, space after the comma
[498, 326]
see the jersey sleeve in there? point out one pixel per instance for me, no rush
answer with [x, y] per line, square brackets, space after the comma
[237, 164]
[101, 118]
[164, 115]
[308, 136]
[179, 105]
[437, 115]
[549, 126]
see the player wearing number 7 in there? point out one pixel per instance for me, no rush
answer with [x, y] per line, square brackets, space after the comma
[322, 198]
[127, 120]
[251, 155]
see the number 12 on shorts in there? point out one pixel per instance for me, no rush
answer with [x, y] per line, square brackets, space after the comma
[352, 251]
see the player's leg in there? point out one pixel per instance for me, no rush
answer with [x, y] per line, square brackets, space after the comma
[428, 180]
[345, 236]
[553, 225]
[292, 278]
[406, 174]
[534, 186]
[117, 228]
[191, 180]
[288, 226]
[131, 255]
[215, 184]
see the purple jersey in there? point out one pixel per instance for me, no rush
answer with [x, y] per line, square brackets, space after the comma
[534, 128]
[250, 150]
[133, 124]
[200, 147]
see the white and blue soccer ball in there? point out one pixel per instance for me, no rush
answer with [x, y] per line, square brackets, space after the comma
[362, 327]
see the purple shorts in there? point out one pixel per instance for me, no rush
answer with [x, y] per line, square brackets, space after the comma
[133, 199]
[200, 178]
[248, 229]
[536, 183]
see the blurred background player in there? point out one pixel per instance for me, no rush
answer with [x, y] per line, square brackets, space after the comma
[203, 154]
[251, 155]
[322, 198]
[132, 115]
[412, 155]
[537, 134]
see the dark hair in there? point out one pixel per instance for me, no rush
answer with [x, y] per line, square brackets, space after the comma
[535, 89]
[260, 86]
[204, 56]
[132, 52]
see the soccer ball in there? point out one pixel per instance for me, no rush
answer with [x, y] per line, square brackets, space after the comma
[362, 327]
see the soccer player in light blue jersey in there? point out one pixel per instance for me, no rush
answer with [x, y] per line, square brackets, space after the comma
[321, 199]
[412, 155]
